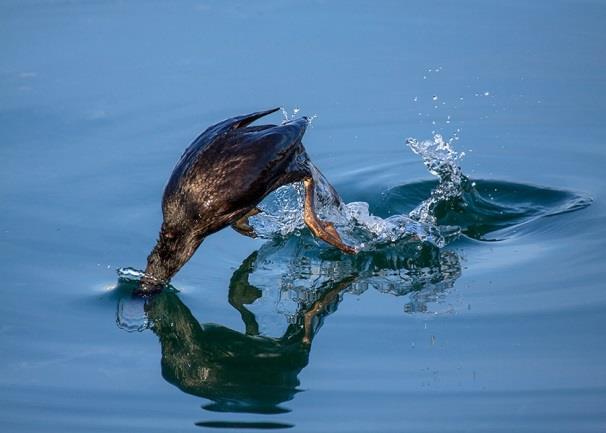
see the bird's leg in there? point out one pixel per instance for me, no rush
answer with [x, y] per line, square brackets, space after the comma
[320, 305]
[323, 229]
[241, 293]
[243, 227]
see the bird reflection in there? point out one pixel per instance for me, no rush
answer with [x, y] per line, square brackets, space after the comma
[237, 371]
[295, 280]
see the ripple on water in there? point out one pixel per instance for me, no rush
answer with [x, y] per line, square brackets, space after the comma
[485, 207]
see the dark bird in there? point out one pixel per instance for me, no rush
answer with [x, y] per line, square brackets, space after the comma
[221, 178]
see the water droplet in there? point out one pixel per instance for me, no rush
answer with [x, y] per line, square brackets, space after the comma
[435, 98]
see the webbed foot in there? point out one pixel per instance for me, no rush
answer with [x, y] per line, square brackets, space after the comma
[242, 225]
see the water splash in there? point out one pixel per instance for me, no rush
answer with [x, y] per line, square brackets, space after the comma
[130, 274]
[288, 116]
[481, 209]
[285, 114]
[454, 205]
[283, 210]
[282, 214]
[442, 161]
[131, 278]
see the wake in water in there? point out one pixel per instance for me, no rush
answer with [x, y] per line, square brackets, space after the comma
[282, 210]
[454, 205]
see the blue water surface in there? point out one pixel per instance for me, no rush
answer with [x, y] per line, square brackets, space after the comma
[503, 330]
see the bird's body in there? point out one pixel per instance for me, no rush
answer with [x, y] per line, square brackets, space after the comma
[219, 181]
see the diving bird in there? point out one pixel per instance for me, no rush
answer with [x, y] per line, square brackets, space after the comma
[219, 181]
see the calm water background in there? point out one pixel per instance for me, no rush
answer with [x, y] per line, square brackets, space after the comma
[97, 102]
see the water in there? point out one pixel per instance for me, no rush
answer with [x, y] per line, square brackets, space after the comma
[489, 318]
